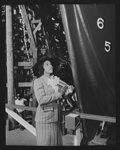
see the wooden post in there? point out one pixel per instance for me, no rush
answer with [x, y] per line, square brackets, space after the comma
[30, 33]
[46, 41]
[9, 47]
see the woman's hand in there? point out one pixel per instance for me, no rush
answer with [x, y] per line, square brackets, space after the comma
[58, 95]
[69, 90]
[63, 90]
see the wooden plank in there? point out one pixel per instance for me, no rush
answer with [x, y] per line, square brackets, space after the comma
[19, 119]
[27, 67]
[9, 53]
[21, 107]
[46, 41]
[25, 17]
[36, 21]
[37, 28]
[98, 117]
[24, 84]
[82, 115]
[25, 64]
[32, 43]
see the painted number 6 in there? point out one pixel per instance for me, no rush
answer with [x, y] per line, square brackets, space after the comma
[100, 23]
[107, 46]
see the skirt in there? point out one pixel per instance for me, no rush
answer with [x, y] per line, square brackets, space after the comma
[48, 134]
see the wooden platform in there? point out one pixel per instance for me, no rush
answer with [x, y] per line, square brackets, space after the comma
[18, 137]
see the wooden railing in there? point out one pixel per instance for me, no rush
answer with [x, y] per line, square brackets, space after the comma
[82, 115]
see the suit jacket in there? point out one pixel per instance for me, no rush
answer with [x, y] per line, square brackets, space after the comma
[48, 108]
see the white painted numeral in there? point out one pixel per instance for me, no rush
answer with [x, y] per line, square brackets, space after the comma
[107, 46]
[100, 23]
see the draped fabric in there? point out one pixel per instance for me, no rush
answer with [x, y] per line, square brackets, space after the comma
[92, 67]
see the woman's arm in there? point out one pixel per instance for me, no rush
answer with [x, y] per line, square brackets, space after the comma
[41, 97]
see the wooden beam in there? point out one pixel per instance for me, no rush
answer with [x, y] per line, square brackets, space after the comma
[25, 84]
[36, 21]
[21, 107]
[36, 29]
[19, 119]
[32, 41]
[9, 47]
[97, 117]
[25, 64]
[46, 41]
[82, 115]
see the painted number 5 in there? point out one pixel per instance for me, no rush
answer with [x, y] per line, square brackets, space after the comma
[107, 46]
[100, 23]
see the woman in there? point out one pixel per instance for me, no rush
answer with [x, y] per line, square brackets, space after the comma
[48, 130]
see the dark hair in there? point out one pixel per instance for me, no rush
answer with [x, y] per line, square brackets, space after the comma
[38, 67]
[41, 69]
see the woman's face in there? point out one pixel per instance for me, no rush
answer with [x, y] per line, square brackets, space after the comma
[48, 68]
